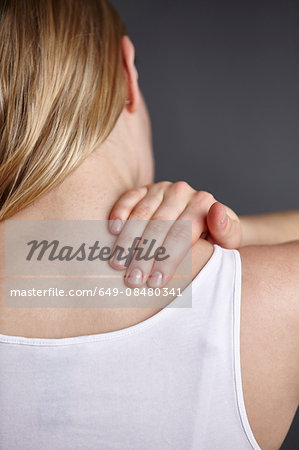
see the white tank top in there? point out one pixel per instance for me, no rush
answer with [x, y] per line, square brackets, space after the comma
[172, 381]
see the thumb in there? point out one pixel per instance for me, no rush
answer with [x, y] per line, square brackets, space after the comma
[224, 230]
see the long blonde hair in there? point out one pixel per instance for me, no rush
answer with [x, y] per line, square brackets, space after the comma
[61, 91]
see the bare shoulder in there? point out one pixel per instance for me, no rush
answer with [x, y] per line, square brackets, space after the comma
[270, 286]
[270, 339]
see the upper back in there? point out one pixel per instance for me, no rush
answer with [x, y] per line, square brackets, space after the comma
[171, 381]
[191, 354]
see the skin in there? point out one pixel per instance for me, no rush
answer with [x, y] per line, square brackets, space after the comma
[270, 281]
[166, 210]
[269, 320]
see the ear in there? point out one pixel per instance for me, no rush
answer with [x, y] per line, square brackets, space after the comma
[131, 74]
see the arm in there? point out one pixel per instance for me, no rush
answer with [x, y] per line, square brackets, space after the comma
[270, 228]
[256, 229]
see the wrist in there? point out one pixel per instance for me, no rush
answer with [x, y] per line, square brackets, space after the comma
[248, 231]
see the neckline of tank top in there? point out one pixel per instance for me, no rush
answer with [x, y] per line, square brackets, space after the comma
[111, 335]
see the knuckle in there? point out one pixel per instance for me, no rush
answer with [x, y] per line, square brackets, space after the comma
[142, 211]
[181, 232]
[181, 187]
[142, 190]
[203, 197]
[133, 193]
[162, 218]
[157, 226]
[164, 184]
[159, 189]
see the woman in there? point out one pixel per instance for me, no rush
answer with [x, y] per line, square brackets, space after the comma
[75, 136]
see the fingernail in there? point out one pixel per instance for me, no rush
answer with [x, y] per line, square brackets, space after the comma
[155, 280]
[223, 217]
[135, 277]
[120, 260]
[116, 225]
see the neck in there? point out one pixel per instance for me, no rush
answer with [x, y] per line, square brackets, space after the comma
[90, 191]
[123, 161]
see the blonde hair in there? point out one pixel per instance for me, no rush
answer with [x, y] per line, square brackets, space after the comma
[62, 90]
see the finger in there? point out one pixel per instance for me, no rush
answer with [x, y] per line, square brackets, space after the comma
[197, 213]
[174, 203]
[223, 229]
[134, 228]
[152, 239]
[123, 208]
[176, 245]
[191, 225]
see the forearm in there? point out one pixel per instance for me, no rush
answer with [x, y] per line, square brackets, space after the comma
[270, 228]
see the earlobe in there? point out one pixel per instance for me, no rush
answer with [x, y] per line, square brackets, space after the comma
[131, 75]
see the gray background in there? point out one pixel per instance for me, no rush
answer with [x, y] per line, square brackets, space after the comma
[221, 82]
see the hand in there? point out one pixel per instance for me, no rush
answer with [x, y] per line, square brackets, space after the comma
[158, 211]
